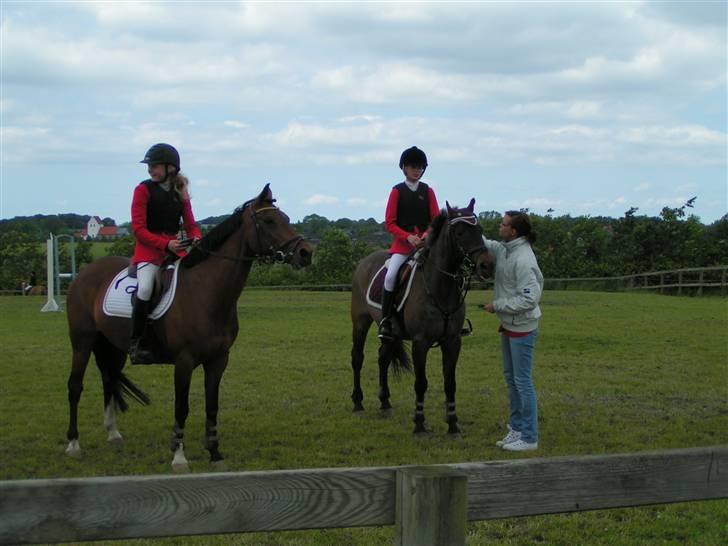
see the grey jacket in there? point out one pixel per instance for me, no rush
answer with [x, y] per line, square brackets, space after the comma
[518, 284]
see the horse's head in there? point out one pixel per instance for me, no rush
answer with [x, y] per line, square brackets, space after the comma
[271, 233]
[466, 234]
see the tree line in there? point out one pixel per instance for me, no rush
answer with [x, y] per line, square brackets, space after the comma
[567, 246]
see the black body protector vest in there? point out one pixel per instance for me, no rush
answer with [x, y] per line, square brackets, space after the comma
[413, 207]
[164, 209]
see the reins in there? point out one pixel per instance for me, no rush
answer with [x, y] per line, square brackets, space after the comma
[275, 255]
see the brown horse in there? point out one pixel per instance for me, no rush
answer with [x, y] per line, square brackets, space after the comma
[199, 328]
[433, 313]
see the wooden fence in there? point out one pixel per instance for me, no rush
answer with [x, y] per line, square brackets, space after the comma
[693, 281]
[428, 505]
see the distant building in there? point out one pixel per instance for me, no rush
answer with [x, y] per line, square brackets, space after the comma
[95, 229]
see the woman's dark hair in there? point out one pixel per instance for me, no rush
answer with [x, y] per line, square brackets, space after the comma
[521, 222]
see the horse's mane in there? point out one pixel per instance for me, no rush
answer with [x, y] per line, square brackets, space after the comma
[215, 237]
[436, 226]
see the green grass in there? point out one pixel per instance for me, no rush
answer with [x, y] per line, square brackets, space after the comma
[615, 373]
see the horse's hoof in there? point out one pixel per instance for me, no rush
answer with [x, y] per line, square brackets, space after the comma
[180, 468]
[457, 435]
[219, 466]
[422, 432]
[115, 438]
[358, 410]
[73, 449]
[386, 413]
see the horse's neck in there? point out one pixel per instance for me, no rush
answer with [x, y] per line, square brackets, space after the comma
[222, 276]
[442, 260]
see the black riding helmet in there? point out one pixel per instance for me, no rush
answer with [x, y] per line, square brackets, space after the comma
[413, 156]
[162, 154]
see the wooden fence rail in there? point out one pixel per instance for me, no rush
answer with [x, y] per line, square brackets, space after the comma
[82, 509]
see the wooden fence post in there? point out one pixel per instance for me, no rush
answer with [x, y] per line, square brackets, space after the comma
[679, 283]
[431, 506]
[723, 283]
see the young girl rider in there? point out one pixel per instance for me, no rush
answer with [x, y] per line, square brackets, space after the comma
[156, 209]
[411, 207]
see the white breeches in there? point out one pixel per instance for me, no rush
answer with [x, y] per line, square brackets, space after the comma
[390, 279]
[145, 278]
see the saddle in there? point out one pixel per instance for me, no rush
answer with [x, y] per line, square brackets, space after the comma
[162, 280]
[405, 276]
[121, 292]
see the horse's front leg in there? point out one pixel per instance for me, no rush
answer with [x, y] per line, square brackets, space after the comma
[213, 374]
[419, 361]
[450, 348]
[359, 337]
[182, 378]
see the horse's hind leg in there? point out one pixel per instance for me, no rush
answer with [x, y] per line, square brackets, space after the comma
[110, 362]
[450, 352]
[81, 354]
[359, 336]
[213, 375]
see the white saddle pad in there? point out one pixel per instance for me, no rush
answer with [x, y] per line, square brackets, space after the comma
[117, 302]
[378, 305]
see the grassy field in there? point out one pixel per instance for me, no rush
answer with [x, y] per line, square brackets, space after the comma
[615, 373]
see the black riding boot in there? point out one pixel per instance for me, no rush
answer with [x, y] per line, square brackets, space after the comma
[137, 353]
[385, 326]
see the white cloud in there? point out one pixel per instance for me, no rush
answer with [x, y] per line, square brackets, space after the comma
[236, 124]
[319, 199]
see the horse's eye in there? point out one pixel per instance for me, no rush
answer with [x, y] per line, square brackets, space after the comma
[269, 221]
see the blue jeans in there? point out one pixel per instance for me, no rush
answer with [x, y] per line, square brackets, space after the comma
[517, 368]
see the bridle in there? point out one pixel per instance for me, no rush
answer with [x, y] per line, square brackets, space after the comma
[464, 271]
[277, 254]
[270, 253]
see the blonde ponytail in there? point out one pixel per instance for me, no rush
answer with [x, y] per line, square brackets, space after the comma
[181, 186]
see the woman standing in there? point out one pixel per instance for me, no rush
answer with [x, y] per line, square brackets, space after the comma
[517, 292]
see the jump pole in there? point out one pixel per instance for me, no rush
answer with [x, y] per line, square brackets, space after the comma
[50, 304]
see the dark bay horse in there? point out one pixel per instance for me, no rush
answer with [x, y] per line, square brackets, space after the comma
[199, 327]
[433, 313]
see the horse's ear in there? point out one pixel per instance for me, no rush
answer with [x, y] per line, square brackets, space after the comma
[471, 206]
[266, 194]
[449, 210]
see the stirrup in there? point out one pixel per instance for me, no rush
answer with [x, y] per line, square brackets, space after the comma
[385, 330]
[139, 354]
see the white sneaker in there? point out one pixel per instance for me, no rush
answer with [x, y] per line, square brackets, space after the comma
[520, 445]
[512, 436]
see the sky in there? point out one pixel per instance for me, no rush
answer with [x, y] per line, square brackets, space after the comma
[578, 108]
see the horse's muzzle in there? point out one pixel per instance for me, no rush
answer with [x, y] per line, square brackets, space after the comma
[301, 255]
[484, 265]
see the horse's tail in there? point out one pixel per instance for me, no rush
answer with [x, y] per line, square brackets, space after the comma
[123, 386]
[395, 352]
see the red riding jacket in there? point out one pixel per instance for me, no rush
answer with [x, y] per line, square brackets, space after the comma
[395, 212]
[152, 236]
